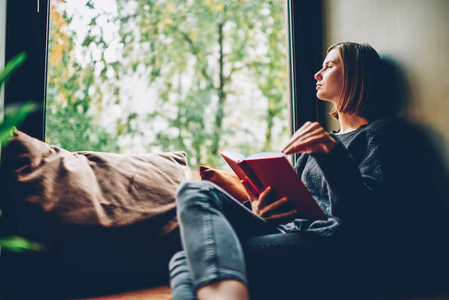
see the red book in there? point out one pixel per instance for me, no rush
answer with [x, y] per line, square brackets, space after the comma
[273, 169]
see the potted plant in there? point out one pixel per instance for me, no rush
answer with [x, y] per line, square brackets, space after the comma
[10, 117]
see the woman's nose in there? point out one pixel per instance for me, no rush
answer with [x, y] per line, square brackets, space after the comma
[318, 76]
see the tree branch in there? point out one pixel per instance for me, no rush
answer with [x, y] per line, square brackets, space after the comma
[195, 52]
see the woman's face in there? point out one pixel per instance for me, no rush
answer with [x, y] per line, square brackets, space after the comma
[330, 78]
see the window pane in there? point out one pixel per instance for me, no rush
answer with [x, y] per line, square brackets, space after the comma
[144, 76]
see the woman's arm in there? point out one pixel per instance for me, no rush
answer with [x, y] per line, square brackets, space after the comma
[354, 184]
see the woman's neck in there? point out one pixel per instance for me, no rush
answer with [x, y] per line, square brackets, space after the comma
[350, 122]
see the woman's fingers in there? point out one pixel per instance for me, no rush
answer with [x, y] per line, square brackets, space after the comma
[265, 207]
[262, 202]
[304, 128]
[249, 190]
[307, 129]
[264, 198]
[307, 134]
[313, 138]
[286, 215]
[302, 141]
[319, 143]
[272, 211]
[273, 206]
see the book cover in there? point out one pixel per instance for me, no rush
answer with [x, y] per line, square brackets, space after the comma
[273, 169]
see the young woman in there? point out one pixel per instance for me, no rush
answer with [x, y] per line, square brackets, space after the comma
[344, 171]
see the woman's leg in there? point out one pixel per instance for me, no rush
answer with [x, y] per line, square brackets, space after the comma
[181, 283]
[211, 223]
[182, 286]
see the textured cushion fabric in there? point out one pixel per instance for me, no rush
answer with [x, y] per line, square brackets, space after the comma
[96, 213]
[107, 221]
[226, 180]
[94, 188]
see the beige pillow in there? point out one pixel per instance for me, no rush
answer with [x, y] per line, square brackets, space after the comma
[94, 188]
[95, 213]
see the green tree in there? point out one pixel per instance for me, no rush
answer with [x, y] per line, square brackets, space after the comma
[198, 49]
[74, 98]
[215, 73]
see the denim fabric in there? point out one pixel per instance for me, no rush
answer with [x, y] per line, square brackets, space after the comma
[181, 283]
[212, 224]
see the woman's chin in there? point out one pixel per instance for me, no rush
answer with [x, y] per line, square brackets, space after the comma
[325, 99]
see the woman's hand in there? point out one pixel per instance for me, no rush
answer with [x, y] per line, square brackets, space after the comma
[310, 138]
[267, 209]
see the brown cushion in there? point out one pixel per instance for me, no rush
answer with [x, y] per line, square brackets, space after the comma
[94, 188]
[226, 180]
[102, 217]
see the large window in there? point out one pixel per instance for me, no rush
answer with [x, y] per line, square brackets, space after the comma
[86, 111]
[143, 76]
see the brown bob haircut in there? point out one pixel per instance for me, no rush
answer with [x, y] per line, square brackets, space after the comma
[361, 80]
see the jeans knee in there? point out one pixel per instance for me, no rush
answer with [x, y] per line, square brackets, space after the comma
[194, 198]
[191, 190]
[194, 185]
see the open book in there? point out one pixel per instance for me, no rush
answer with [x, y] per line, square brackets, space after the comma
[273, 169]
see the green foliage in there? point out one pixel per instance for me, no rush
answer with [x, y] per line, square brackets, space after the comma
[192, 55]
[18, 244]
[13, 117]
[74, 95]
[11, 66]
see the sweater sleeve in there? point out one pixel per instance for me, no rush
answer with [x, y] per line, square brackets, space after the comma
[354, 183]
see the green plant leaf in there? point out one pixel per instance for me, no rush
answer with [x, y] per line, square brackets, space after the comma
[19, 244]
[12, 119]
[11, 66]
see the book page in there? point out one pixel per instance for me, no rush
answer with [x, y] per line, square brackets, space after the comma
[233, 155]
[266, 155]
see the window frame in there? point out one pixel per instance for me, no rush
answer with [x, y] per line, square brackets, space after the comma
[305, 50]
[27, 31]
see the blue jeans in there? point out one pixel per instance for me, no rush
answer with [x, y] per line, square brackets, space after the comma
[212, 225]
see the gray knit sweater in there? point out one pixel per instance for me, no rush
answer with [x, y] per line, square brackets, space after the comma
[347, 181]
